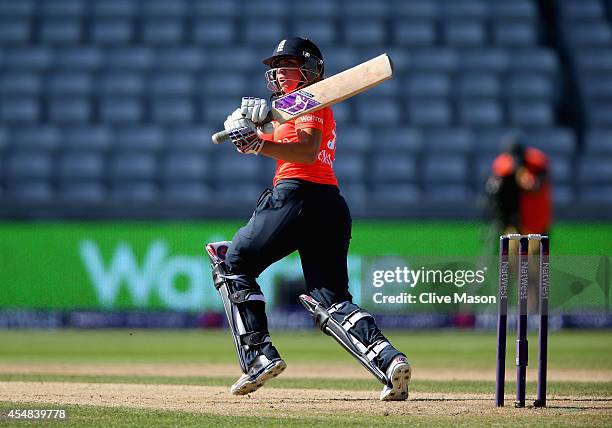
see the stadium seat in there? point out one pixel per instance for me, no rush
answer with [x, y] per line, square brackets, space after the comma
[62, 8]
[181, 58]
[350, 168]
[143, 137]
[115, 82]
[111, 31]
[339, 59]
[416, 33]
[4, 142]
[30, 191]
[230, 167]
[466, 9]
[449, 140]
[235, 59]
[596, 86]
[529, 87]
[130, 58]
[595, 60]
[355, 194]
[480, 113]
[540, 60]
[81, 165]
[599, 141]
[19, 110]
[80, 57]
[238, 194]
[213, 32]
[365, 32]
[560, 168]
[192, 137]
[23, 165]
[435, 59]
[477, 85]
[597, 195]
[590, 35]
[69, 111]
[40, 137]
[188, 192]
[428, 85]
[162, 31]
[514, 34]
[177, 110]
[61, 31]
[131, 165]
[266, 36]
[224, 84]
[394, 197]
[595, 170]
[415, 9]
[378, 112]
[599, 113]
[216, 110]
[171, 83]
[399, 139]
[185, 166]
[354, 139]
[320, 9]
[516, 10]
[531, 114]
[429, 113]
[70, 83]
[20, 83]
[121, 110]
[445, 169]
[134, 192]
[216, 8]
[165, 8]
[13, 9]
[82, 192]
[560, 141]
[90, 138]
[268, 10]
[493, 60]
[581, 10]
[29, 58]
[322, 32]
[563, 195]
[388, 167]
[463, 34]
[115, 8]
[449, 193]
[14, 31]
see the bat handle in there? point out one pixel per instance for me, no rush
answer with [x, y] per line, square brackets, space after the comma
[220, 137]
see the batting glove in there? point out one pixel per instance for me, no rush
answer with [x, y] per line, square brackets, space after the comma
[255, 109]
[243, 133]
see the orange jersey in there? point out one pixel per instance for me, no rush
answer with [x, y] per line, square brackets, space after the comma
[321, 171]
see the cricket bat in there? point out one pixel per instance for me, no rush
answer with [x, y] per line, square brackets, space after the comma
[327, 92]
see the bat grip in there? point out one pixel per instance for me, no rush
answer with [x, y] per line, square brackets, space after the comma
[221, 136]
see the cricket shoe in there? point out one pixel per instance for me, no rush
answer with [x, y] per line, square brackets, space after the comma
[398, 373]
[260, 371]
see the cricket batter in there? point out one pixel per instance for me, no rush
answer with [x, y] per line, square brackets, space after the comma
[305, 212]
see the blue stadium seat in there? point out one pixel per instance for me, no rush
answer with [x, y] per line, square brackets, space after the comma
[343, 112]
[394, 167]
[531, 114]
[60, 31]
[235, 59]
[23, 165]
[449, 140]
[85, 57]
[516, 10]
[560, 141]
[354, 139]
[581, 10]
[339, 58]
[394, 197]
[595, 60]
[449, 193]
[528, 86]
[490, 140]
[115, 8]
[14, 9]
[90, 138]
[165, 8]
[389, 89]
[130, 58]
[121, 110]
[14, 31]
[19, 110]
[428, 85]
[82, 192]
[378, 112]
[560, 168]
[416, 33]
[185, 165]
[595, 170]
[322, 32]
[162, 31]
[350, 168]
[70, 83]
[188, 192]
[31, 191]
[367, 9]
[31, 57]
[111, 31]
[134, 192]
[599, 113]
[477, 85]
[365, 32]
[590, 35]
[4, 141]
[480, 113]
[599, 141]
[563, 195]
[238, 194]
[115, 82]
[171, 83]
[481, 170]
[217, 109]
[355, 194]
[463, 34]
[69, 111]
[596, 86]
[39, 137]
[597, 195]
[216, 8]
[213, 32]
[399, 139]
[445, 169]
[191, 137]
[19, 83]
[435, 59]
[267, 35]
[268, 10]
[429, 113]
[542, 60]
[133, 165]
[228, 84]
[417, 9]
[172, 110]
[184, 59]
[515, 34]
[466, 9]
[317, 9]
[231, 167]
[81, 165]
[492, 60]
[141, 138]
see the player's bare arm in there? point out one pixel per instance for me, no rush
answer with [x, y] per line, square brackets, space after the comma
[305, 151]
